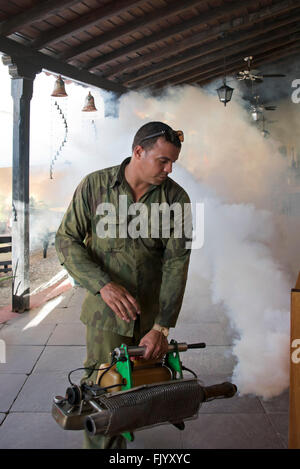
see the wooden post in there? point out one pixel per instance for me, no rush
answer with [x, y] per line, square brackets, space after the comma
[294, 425]
[21, 89]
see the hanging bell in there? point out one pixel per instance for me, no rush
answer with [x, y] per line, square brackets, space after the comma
[89, 105]
[59, 88]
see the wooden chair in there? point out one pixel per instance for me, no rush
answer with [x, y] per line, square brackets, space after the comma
[5, 254]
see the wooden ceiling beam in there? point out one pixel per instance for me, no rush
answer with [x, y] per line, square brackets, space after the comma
[233, 64]
[204, 18]
[217, 69]
[285, 34]
[211, 47]
[286, 52]
[142, 43]
[36, 13]
[130, 27]
[202, 37]
[30, 57]
[214, 67]
[93, 17]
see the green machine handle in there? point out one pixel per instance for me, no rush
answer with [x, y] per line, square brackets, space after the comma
[124, 365]
[173, 361]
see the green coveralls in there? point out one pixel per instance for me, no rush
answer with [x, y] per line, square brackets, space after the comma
[152, 269]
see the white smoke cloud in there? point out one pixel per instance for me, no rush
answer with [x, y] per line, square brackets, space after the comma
[238, 176]
[249, 284]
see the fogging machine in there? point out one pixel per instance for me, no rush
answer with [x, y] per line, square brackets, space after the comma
[131, 394]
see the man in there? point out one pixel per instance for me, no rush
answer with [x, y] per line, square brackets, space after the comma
[135, 284]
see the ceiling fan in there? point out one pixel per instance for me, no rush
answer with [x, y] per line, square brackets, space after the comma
[257, 109]
[254, 75]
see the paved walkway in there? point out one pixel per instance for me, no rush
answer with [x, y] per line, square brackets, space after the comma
[44, 344]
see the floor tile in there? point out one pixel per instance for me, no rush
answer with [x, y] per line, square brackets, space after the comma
[74, 298]
[231, 431]
[63, 315]
[10, 387]
[20, 358]
[68, 334]
[237, 422]
[280, 422]
[39, 390]
[61, 358]
[38, 335]
[36, 431]
[37, 315]
[277, 404]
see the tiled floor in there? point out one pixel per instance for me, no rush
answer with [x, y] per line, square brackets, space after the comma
[43, 345]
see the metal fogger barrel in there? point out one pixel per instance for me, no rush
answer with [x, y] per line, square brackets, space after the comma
[149, 405]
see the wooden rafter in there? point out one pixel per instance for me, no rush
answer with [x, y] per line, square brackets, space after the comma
[36, 13]
[130, 27]
[16, 50]
[89, 19]
[142, 43]
[204, 18]
[232, 28]
[283, 35]
[202, 37]
[265, 54]
[233, 64]
[212, 69]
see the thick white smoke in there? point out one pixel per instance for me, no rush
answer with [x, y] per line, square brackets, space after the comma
[239, 176]
[251, 286]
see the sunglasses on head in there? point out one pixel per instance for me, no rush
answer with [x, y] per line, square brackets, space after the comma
[172, 134]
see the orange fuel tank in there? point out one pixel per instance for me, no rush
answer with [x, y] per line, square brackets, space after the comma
[143, 372]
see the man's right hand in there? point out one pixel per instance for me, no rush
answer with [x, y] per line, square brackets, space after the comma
[120, 301]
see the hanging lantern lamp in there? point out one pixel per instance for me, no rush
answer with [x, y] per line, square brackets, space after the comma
[59, 88]
[89, 105]
[225, 93]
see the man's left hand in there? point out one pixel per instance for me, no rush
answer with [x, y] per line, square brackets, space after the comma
[156, 345]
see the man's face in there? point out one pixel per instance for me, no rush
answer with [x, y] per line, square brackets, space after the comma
[156, 163]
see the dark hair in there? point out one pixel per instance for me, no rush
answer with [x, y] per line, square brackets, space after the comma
[158, 129]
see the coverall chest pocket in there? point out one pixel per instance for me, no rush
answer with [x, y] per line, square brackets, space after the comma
[109, 238]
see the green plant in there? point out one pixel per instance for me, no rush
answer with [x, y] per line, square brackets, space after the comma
[5, 278]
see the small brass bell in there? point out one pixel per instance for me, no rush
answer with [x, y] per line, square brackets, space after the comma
[59, 88]
[89, 105]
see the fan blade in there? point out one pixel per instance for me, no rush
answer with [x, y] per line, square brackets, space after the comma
[274, 76]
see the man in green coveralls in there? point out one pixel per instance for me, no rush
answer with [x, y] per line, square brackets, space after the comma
[135, 284]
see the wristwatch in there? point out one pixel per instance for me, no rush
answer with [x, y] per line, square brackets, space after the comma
[163, 330]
